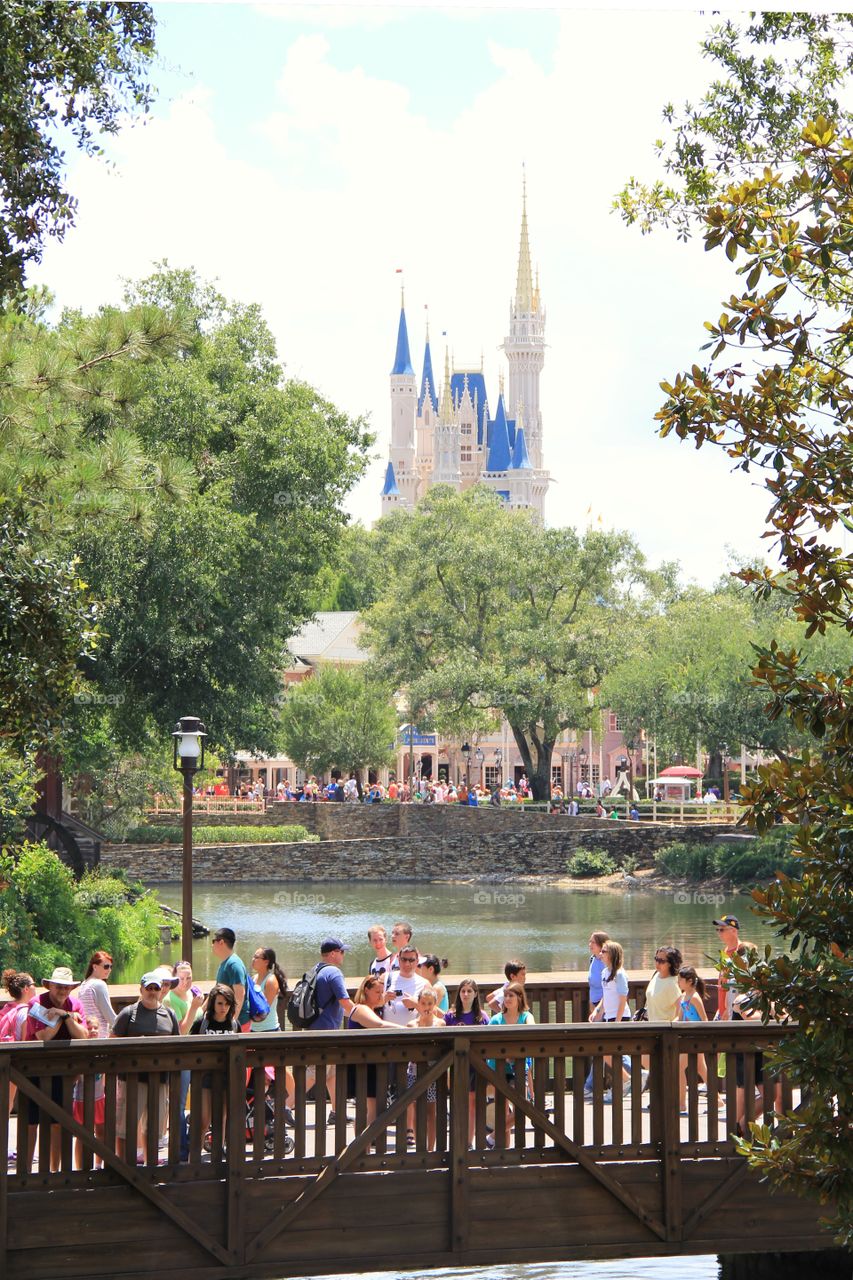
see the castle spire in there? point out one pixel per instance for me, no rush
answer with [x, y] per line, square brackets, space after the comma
[524, 280]
[402, 358]
[427, 379]
[446, 409]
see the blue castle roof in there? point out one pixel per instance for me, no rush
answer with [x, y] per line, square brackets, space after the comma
[402, 359]
[389, 488]
[510, 424]
[477, 390]
[427, 382]
[520, 457]
[499, 456]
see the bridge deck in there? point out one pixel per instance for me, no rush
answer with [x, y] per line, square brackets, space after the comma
[574, 1176]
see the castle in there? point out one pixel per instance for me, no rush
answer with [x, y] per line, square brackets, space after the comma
[448, 436]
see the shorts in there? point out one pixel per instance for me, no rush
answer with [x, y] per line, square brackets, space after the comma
[141, 1107]
[54, 1090]
[412, 1078]
[371, 1081]
[99, 1111]
[740, 1072]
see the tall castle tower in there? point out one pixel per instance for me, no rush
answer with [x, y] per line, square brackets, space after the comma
[454, 440]
[525, 343]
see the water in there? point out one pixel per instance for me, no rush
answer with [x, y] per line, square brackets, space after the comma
[703, 1267]
[478, 928]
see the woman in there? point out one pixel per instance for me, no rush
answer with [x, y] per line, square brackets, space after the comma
[219, 1019]
[514, 1013]
[94, 995]
[270, 980]
[430, 967]
[22, 989]
[691, 1008]
[614, 1001]
[185, 1001]
[366, 1015]
[466, 1012]
[662, 992]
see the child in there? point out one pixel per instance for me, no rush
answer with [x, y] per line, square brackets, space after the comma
[93, 1028]
[691, 1008]
[219, 1020]
[427, 1015]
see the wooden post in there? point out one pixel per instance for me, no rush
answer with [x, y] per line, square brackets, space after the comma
[4, 1159]
[459, 1182]
[235, 1083]
[670, 1129]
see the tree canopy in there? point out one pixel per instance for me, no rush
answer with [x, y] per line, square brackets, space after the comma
[76, 67]
[340, 717]
[484, 612]
[775, 392]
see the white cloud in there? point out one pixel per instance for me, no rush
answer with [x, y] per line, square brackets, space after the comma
[357, 184]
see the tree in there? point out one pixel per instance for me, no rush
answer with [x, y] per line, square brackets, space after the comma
[197, 605]
[485, 612]
[776, 394]
[340, 717]
[81, 67]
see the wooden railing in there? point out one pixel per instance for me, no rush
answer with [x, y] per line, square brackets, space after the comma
[265, 1185]
[210, 804]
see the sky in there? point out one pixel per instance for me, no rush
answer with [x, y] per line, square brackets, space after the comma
[301, 155]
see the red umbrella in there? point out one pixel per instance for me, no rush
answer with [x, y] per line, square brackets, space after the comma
[681, 771]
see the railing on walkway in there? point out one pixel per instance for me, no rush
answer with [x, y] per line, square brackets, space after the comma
[210, 804]
[439, 1109]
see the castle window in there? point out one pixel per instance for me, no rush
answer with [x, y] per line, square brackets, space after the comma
[466, 453]
[466, 428]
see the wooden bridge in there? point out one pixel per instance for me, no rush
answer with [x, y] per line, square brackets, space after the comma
[575, 1176]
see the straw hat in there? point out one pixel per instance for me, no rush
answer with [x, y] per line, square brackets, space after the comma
[62, 977]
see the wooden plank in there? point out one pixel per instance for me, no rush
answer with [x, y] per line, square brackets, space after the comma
[5, 1085]
[300, 1104]
[131, 1093]
[44, 1129]
[279, 1102]
[578, 1112]
[636, 1099]
[459, 1182]
[597, 1100]
[692, 1097]
[731, 1094]
[720, 1193]
[340, 1109]
[88, 1116]
[153, 1121]
[175, 1117]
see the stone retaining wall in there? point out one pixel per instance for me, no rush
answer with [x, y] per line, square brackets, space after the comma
[431, 855]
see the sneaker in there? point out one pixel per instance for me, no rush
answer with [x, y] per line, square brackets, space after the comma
[608, 1095]
[331, 1118]
[626, 1089]
[644, 1076]
[289, 1117]
[588, 1095]
[490, 1141]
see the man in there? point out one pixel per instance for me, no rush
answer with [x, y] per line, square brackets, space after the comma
[147, 1017]
[232, 972]
[55, 1015]
[514, 971]
[401, 935]
[382, 959]
[333, 1002]
[403, 985]
[732, 1006]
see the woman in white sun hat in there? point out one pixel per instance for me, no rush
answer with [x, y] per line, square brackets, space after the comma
[56, 1015]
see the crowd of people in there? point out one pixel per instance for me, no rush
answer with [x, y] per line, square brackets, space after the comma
[403, 988]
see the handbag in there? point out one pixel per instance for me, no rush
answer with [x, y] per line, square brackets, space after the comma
[641, 1015]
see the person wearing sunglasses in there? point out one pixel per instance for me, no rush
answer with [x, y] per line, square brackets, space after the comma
[93, 992]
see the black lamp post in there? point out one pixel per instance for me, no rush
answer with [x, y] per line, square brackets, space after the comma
[466, 755]
[479, 757]
[581, 763]
[188, 736]
[499, 757]
[724, 753]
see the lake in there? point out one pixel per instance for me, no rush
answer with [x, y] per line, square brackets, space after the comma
[476, 927]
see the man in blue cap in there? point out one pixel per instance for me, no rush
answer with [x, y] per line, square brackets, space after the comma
[332, 1000]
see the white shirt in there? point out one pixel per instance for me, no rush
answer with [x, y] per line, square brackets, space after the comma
[396, 1013]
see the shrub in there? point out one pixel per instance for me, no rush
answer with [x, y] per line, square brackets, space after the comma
[747, 862]
[692, 861]
[590, 862]
[222, 835]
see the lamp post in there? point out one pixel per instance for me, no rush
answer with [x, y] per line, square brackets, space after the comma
[632, 747]
[188, 736]
[499, 757]
[466, 755]
[582, 758]
[724, 752]
[479, 757]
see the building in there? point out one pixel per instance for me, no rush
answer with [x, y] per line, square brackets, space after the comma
[446, 434]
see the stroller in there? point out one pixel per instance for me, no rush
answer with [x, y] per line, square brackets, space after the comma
[266, 1120]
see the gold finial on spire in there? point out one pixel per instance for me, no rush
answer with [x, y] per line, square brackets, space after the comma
[536, 298]
[481, 359]
[524, 280]
[445, 409]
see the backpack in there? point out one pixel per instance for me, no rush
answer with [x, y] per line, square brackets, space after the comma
[259, 1006]
[8, 1017]
[302, 1007]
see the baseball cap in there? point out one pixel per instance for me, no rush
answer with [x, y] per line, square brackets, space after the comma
[730, 922]
[152, 980]
[332, 944]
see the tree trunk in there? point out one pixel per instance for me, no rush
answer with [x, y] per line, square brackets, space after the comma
[536, 756]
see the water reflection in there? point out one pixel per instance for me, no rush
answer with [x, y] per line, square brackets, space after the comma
[704, 1267]
[477, 927]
